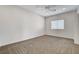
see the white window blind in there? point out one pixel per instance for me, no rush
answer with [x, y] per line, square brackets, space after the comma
[57, 24]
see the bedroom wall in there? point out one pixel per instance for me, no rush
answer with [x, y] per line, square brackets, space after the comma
[76, 31]
[17, 24]
[69, 30]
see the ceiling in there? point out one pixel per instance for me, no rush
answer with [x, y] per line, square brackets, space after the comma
[48, 10]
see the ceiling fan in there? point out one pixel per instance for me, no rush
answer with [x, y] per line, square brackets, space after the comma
[47, 7]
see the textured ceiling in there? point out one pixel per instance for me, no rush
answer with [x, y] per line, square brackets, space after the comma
[48, 10]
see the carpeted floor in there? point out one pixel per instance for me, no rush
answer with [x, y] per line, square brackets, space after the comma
[42, 45]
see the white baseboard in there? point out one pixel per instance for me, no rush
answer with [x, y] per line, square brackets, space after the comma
[76, 42]
[15, 41]
[61, 36]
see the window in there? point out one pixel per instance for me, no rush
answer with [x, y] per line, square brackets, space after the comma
[57, 24]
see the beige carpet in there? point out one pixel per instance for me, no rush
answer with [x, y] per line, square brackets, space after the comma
[42, 45]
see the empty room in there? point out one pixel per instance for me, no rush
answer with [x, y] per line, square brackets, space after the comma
[39, 29]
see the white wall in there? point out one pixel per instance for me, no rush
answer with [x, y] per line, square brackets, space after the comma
[76, 30]
[16, 24]
[69, 19]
